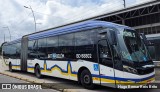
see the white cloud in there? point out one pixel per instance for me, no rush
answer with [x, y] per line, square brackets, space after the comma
[51, 13]
[63, 13]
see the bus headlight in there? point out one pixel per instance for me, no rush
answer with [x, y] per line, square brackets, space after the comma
[129, 69]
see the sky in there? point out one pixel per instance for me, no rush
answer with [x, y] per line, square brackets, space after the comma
[51, 13]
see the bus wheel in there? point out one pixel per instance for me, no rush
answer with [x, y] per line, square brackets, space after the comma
[86, 79]
[10, 67]
[38, 72]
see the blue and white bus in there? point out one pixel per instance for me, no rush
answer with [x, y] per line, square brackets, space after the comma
[90, 52]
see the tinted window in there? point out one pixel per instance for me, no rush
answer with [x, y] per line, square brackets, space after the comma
[66, 46]
[32, 49]
[12, 51]
[18, 50]
[105, 57]
[85, 43]
[84, 38]
[52, 46]
[5, 51]
[42, 48]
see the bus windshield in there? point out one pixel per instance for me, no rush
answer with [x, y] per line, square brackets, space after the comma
[133, 48]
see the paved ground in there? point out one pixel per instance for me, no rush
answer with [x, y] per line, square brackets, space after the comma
[7, 79]
[62, 84]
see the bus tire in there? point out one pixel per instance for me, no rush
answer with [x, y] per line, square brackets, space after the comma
[38, 71]
[10, 67]
[86, 79]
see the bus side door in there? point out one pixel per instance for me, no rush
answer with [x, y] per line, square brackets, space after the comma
[106, 73]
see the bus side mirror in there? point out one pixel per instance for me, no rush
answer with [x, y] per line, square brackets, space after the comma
[112, 37]
[146, 42]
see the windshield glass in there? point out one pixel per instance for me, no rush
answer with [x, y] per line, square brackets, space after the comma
[132, 47]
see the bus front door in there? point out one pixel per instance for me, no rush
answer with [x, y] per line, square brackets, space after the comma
[106, 72]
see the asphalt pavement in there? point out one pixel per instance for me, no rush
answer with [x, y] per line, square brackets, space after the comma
[9, 80]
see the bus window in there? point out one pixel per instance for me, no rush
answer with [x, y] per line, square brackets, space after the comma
[105, 56]
[6, 52]
[52, 46]
[32, 49]
[18, 51]
[12, 52]
[85, 44]
[42, 49]
[66, 46]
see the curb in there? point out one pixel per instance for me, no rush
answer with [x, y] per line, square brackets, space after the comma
[34, 82]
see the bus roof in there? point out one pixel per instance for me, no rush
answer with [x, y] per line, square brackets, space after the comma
[12, 42]
[73, 28]
[68, 29]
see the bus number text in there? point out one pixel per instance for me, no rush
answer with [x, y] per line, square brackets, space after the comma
[83, 55]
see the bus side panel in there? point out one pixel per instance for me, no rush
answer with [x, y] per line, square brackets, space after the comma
[15, 66]
[18, 64]
[68, 69]
[30, 66]
[64, 69]
[61, 69]
[32, 63]
[13, 62]
[91, 66]
[75, 66]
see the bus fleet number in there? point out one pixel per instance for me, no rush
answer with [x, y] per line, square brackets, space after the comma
[83, 55]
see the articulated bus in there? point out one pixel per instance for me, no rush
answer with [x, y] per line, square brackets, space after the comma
[90, 52]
